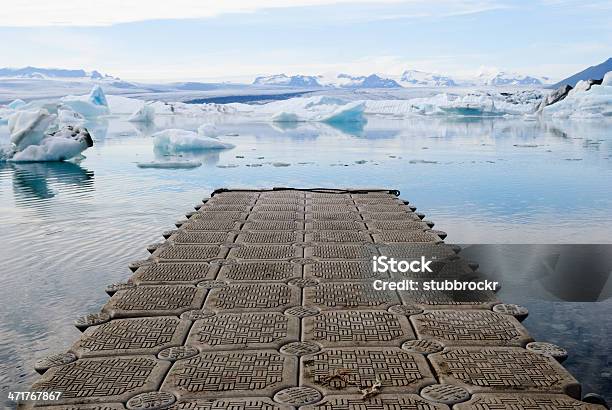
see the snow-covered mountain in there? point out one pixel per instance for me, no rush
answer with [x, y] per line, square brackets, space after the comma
[370, 81]
[59, 73]
[505, 78]
[411, 78]
[288, 81]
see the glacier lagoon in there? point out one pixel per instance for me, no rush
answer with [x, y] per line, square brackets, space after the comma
[73, 228]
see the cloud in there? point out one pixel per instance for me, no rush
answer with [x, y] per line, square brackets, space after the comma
[87, 13]
[34, 13]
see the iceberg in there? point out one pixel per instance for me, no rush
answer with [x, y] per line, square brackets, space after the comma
[351, 112]
[97, 97]
[586, 100]
[308, 109]
[176, 140]
[66, 143]
[89, 106]
[208, 130]
[283, 117]
[145, 114]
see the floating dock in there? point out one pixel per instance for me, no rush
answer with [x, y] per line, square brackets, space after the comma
[265, 300]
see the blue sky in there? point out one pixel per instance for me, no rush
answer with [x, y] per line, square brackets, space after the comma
[236, 40]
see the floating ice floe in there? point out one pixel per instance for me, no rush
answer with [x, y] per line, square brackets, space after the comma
[31, 142]
[170, 164]
[208, 130]
[584, 101]
[176, 140]
[64, 144]
[307, 109]
[472, 104]
[89, 106]
[145, 114]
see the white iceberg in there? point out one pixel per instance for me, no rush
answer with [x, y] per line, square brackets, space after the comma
[308, 109]
[208, 130]
[97, 97]
[176, 140]
[145, 114]
[64, 144]
[92, 105]
[285, 117]
[170, 164]
[580, 103]
[607, 80]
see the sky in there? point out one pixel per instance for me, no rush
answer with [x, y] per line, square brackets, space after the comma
[236, 40]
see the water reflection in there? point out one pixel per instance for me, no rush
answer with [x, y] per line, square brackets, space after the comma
[41, 180]
[568, 273]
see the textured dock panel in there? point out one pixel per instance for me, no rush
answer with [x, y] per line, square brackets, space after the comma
[231, 374]
[228, 331]
[525, 402]
[155, 301]
[470, 328]
[357, 328]
[146, 335]
[348, 295]
[398, 371]
[253, 297]
[502, 369]
[103, 379]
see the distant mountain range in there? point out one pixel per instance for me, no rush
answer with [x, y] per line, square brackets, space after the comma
[409, 78]
[42, 73]
[595, 72]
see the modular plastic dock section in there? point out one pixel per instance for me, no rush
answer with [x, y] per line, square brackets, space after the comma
[265, 300]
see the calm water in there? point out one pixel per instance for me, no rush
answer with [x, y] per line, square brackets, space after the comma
[69, 230]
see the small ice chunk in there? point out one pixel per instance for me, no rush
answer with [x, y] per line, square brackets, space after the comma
[208, 130]
[16, 104]
[607, 79]
[28, 127]
[174, 140]
[170, 164]
[145, 114]
[285, 117]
